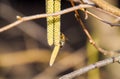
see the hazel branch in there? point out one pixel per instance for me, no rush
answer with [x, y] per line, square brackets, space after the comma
[38, 16]
[103, 51]
[91, 67]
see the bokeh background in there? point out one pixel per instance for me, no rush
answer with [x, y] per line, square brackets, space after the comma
[25, 54]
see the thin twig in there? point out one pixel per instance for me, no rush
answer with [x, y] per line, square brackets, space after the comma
[107, 7]
[109, 23]
[88, 12]
[38, 16]
[103, 51]
[91, 67]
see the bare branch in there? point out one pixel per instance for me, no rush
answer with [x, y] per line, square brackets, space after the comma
[23, 19]
[109, 23]
[97, 17]
[91, 67]
[103, 51]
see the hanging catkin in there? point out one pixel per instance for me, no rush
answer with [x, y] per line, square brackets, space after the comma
[57, 7]
[50, 21]
[53, 27]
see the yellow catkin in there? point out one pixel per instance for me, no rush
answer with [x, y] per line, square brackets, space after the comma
[54, 54]
[56, 49]
[50, 21]
[57, 7]
[53, 27]
[56, 32]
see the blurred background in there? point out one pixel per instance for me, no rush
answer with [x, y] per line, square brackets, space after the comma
[25, 53]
